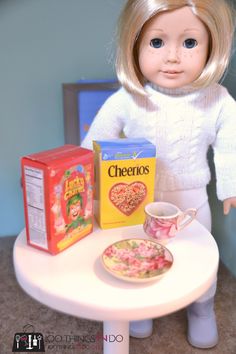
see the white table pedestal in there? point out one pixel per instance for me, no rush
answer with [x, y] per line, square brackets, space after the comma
[116, 337]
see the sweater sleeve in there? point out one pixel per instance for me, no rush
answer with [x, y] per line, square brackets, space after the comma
[108, 123]
[225, 149]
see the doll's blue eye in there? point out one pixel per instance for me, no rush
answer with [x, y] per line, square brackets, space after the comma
[190, 43]
[156, 43]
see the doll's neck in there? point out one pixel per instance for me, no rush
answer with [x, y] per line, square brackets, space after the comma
[175, 91]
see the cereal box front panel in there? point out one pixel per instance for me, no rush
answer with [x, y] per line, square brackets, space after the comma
[125, 181]
[123, 197]
[71, 198]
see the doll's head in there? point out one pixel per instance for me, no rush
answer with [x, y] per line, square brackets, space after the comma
[215, 27]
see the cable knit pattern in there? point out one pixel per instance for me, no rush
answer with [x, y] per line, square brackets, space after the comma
[182, 124]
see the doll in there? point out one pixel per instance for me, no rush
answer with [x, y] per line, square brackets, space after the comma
[171, 55]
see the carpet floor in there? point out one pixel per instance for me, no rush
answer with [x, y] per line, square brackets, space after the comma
[65, 334]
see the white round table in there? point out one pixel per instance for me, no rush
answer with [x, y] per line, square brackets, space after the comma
[75, 282]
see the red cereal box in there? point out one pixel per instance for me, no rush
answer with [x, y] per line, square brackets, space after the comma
[58, 197]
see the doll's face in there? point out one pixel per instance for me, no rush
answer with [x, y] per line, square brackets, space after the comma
[173, 48]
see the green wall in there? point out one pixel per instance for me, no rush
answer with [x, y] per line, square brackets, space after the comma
[45, 43]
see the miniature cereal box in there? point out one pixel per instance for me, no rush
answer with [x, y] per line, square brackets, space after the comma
[58, 197]
[125, 173]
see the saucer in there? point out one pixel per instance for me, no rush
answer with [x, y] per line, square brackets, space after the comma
[137, 260]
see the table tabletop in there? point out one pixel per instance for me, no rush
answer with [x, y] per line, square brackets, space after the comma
[75, 282]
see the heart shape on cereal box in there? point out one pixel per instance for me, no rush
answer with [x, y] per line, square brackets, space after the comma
[128, 197]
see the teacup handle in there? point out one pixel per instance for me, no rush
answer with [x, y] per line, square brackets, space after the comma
[186, 217]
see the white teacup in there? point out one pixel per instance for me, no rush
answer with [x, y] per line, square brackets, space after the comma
[163, 220]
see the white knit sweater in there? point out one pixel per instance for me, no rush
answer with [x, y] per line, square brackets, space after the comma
[182, 124]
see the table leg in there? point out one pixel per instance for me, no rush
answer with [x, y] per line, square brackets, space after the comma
[116, 337]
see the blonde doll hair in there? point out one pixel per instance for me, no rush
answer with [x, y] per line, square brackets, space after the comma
[217, 16]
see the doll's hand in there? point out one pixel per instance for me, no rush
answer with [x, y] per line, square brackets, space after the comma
[228, 203]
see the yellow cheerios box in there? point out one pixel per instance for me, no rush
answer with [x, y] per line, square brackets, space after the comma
[124, 177]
